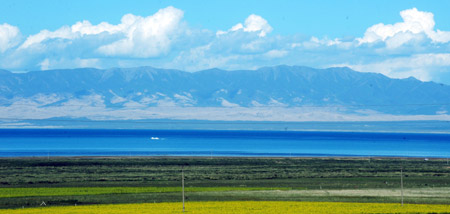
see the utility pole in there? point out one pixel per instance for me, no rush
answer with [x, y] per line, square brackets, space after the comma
[182, 183]
[401, 183]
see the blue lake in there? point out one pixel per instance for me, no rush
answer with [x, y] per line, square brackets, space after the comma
[91, 142]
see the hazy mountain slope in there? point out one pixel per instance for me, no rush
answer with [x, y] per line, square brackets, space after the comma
[288, 86]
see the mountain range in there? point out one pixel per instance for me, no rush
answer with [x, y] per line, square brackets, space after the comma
[278, 87]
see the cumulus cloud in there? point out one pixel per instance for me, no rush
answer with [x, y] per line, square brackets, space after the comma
[253, 23]
[139, 36]
[35, 40]
[414, 22]
[9, 37]
[146, 37]
[76, 31]
[243, 46]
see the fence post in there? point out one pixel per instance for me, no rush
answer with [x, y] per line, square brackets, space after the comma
[401, 183]
[182, 184]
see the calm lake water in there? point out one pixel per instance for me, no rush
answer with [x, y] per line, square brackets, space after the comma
[90, 142]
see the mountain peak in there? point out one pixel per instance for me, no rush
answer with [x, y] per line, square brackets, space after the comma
[213, 70]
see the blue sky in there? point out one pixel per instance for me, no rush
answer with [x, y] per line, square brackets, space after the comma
[319, 18]
[395, 38]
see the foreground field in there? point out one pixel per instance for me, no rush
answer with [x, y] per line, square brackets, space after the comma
[240, 207]
[27, 182]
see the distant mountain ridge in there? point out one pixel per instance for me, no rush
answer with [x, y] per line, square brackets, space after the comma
[282, 86]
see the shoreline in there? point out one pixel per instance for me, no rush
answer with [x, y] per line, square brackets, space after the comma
[292, 130]
[234, 157]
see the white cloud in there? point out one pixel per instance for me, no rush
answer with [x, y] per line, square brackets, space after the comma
[440, 36]
[208, 56]
[9, 37]
[276, 53]
[315, 42]
[419, 66]
[274, 102]
[86, 28]
[45, 64]
[146, 37]
[226, 103]
[402, 38]
[63, 63]
[325, 41]
[139, 36]
[414, 22]
[37, 39]
[77, 30]
[253, 23]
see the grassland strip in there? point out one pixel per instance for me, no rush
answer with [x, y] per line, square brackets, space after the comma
[73, 191]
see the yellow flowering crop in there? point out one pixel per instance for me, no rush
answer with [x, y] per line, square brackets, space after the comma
[240, 207]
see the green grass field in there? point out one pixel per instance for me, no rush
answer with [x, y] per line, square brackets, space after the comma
[65, 191]
[68, 181]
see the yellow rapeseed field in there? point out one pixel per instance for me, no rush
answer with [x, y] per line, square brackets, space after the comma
[240, 207]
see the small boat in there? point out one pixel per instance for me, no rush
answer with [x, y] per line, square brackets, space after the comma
[154, 138]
